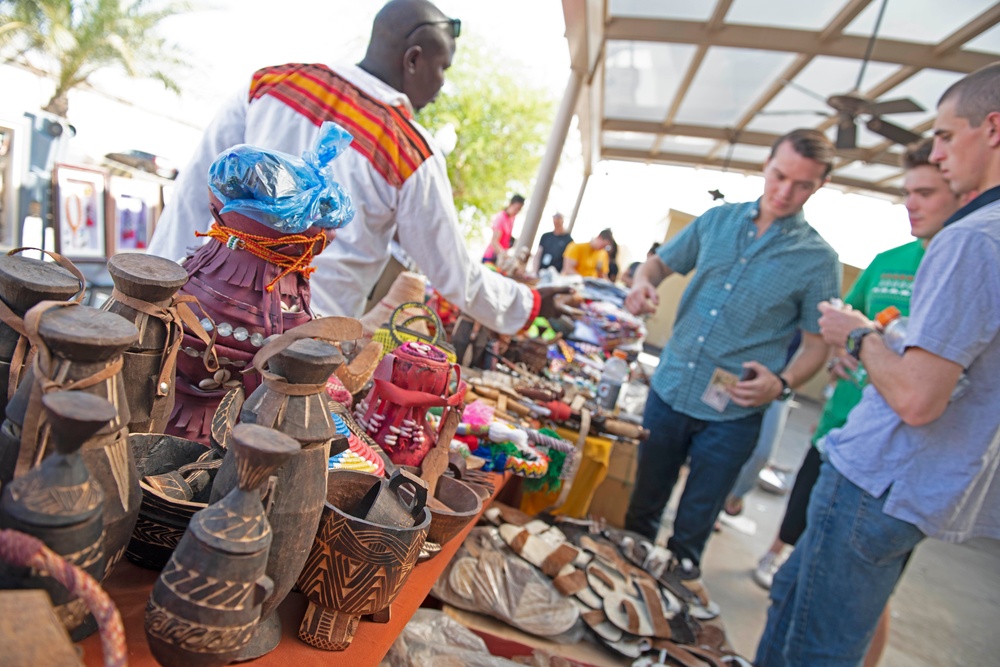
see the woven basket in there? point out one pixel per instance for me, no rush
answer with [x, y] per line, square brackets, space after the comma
[398, 330]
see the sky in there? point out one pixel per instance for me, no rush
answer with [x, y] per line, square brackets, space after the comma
[228, 39]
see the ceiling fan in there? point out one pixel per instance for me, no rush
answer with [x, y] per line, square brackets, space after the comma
[851, 106]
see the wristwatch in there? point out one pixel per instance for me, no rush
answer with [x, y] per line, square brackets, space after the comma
[786, 390]
[854, 341]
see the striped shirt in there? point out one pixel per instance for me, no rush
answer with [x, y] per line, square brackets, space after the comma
[745, 302]
[395, 175]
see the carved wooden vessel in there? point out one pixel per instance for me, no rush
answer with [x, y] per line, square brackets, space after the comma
[144, 295]
[206, 603]
[163, 516]
[23, 283]
[292, 400]
[61, 503]
[356, 566]
[80, 348]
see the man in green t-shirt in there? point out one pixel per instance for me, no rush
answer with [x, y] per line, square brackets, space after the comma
[887, 281]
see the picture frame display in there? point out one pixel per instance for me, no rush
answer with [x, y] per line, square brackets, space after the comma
[135, 207]
[81, 223]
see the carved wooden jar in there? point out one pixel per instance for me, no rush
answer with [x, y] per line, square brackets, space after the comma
[206, 603]
[144, 291]
[292, 399]
[23, 283]
[80, 348]
[60, 503]
[356, 566]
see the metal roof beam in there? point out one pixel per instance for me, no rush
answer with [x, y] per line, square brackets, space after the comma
[715, 22]
[836, 26]
[728, 135]
[770, 38]
[736, 165]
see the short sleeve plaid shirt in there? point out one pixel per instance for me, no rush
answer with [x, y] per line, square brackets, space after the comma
[745, 302]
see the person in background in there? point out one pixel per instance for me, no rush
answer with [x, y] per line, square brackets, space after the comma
[629, 275]
[393, 170]
[771, 427]
[552, 245]
[589, 259]
[613, 262]
[761, 272]
[914, 459]
[503, 230]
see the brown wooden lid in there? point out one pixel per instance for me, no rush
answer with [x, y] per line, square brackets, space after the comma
[75, 416]
[25, 281]
[306, 361]
[146, 277]
[259, 452]
[82, 333]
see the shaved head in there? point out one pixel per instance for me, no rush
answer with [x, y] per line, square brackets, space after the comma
[410, 48]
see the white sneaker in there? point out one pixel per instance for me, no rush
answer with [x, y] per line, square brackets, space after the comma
[767, 567]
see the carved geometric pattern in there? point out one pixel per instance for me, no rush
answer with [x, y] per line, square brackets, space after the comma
[195, 637]
[319, 629]
[59, 501]
[148, 532]
[228, 525]
[204, 591]
[117, 453]
[357, 571]
[88, 555]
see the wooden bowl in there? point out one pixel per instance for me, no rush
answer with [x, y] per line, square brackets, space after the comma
[162, 520]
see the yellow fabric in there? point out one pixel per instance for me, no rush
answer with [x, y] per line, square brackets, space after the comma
[590, 263]
[593, 469]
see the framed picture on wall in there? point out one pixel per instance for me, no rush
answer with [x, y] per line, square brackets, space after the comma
[80, 213]
[135, 206]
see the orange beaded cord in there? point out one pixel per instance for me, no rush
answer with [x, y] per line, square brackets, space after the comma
[262, 248]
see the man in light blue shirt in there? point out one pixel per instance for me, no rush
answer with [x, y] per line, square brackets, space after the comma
[761, 272]
[914, 459]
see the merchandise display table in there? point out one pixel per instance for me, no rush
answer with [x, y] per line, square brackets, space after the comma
[130, 586]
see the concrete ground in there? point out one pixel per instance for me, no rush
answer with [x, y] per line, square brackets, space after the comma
[945, 612]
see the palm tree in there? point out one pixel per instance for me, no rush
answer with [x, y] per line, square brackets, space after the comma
[73, 39]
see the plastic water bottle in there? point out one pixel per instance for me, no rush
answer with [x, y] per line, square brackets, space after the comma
[859, 376]
[616, 372]
[894, 325]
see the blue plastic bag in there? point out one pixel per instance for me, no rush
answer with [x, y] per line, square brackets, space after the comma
[288, 194]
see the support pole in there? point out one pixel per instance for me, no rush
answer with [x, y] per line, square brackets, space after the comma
[576, 206]
[553, 151]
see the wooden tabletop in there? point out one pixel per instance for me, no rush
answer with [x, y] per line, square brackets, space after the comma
[129, 586]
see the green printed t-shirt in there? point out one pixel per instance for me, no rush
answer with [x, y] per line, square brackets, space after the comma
[888, 281]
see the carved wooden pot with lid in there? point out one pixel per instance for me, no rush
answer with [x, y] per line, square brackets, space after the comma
[25, 282]
[80, 348]
[292, 400]
[206, 603]
[61, 503]
[144, 292]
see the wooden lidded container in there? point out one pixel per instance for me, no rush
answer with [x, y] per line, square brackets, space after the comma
[145, 286]
[80, 348]
[292, 400]
[23, 283]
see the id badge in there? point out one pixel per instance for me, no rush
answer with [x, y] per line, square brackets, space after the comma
[716, 395]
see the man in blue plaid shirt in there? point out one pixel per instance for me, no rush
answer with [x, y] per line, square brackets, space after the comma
[761, 272]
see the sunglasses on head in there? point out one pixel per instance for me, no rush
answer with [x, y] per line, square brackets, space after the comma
[454, 24]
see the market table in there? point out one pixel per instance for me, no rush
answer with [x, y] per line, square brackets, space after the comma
[130, 586]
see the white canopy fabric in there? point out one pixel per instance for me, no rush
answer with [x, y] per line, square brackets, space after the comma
[714, 82]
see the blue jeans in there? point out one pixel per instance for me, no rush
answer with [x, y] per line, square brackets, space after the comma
[717, 451]
[771, 429]
[827, 598]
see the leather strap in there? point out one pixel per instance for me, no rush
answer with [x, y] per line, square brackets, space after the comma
[30, 453]
[174, 316]
[22, 350]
